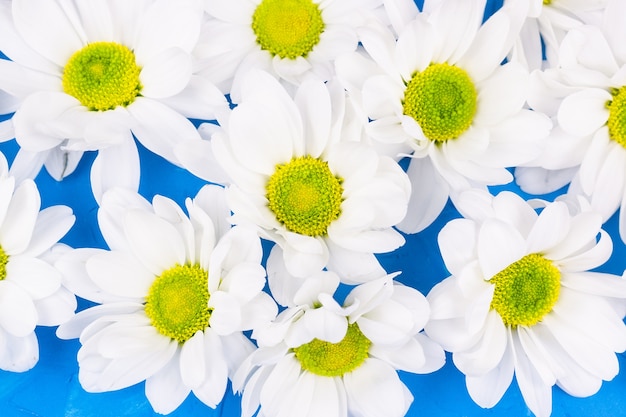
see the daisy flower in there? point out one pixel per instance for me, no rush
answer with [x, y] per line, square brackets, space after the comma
[291, 39]
[302, 178]
[176, 292]
[354, 375]
[587, 95]
[31, 291]
[521, 300]
[89, 76]
[547, 24]
[440, 95]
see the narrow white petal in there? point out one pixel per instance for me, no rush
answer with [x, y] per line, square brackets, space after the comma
[52, 224]
[118, 273]
[19, 353]
[21, 216]
[18, 315]
[166, 74]
[192, 356]
[499, 245]
[38, 278]
[165, 390]
[584, 112]
[487, 390]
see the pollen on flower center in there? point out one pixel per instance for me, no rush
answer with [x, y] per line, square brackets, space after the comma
[4, 260]
[177, 303]
[305, 196]
[334, 359]
[288, 28]
[617, 116]
[102, 76]
[526, 290]
[442, 99]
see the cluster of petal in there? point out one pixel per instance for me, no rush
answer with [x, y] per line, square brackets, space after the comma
[502, 133]
[390, 315]
[31, 290]
[54, 128]
[269, 127]
[120, 346]
[231, 48]
[575, 95]
[573, 345]
[546, 26]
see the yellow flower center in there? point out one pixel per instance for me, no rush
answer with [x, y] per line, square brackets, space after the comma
[102, 76]
[4, 260]
[288, 28]
[177, 303]
[305, 196]
[617, 116]
[334, 359]
[526, 290]
[442, 99]
[547, 2]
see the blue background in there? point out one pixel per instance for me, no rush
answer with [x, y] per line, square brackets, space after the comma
[51, 388]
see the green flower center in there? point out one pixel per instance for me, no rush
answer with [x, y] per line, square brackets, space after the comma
[288, 28]
[177, 303]
[526, 290]
[442, 99]
[334, 359]
[102, 76]
[617, 116]
[305, 196]
[4, 260]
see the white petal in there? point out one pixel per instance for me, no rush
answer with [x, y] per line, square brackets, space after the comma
[374, 389]
[499, 245]
[212, 390]
[155, 242]
[115, 166]
[165, 390]
[118, 273]
[488, 353]
[192, 366]
[57, 309]
[56, 45]
[584, 112]
[19, 222]
[551, 227]
[17, 312]
[166, 74]
[19, 353]
[313, 101]
[159, 128]
[487, 390]
[38, 278]
[52, 224]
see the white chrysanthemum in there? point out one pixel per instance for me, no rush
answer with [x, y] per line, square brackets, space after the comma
[547, 24]
[90, 75]
[587, 96]
[339, 364]
[31, 291]
[176, 292]
[521, 300]
[440, 94]
[300, 176]
[291, 39]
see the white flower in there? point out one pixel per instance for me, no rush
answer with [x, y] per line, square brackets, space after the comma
[31, 291]
[355, 373]
[587, 97]
[300, 176]
[440, 95]
[90, 75]
[521, 300]
[176, 292]
[547, 24]
[291, 39]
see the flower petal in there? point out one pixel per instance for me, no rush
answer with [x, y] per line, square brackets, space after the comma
[165, 74]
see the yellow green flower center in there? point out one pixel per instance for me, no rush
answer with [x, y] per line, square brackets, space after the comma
[617, 116]
[547, 2]
[442, 99]
[305, 196]
[177, 303]
[102, 76]
[334, 359]
[526, 290]
[288, 28]
[4, 260]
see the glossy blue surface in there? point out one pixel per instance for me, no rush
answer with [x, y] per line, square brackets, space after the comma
[52, 389]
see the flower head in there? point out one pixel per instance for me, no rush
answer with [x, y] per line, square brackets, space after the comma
[31, 290]
[176, 292]
[344, 360]
[90, 78]
[438, 93]
[521, 300]
[300, 176]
